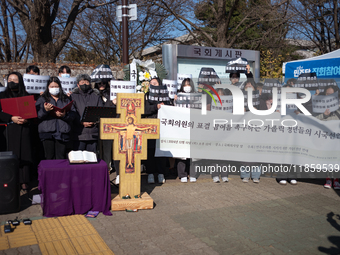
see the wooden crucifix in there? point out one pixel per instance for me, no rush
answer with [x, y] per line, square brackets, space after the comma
[129, 134]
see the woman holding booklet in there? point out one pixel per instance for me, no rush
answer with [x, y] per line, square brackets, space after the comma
[18, 130]
[56, 112]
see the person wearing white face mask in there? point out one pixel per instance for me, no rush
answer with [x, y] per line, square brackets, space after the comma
[55, 126]
[183, 164]
[64, 71]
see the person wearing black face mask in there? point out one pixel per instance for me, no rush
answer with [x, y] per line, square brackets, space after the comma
[86, 133]
[18, 130]
[13, 86]
[85, 87]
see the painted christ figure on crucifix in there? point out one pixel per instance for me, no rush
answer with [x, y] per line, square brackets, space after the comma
[130, 134]
[131, 128]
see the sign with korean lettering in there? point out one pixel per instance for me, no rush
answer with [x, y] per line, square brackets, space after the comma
[189, 59]
[252, 138]
[172, 87]
[214, 53]
[288, 106]
[308, 81]
[323, 83]
[68, 84]
[322, 103]
[269, 90]
[227, 104]
[255, 98]
[236, 65]
[189, 100]
[121, 87]
[133, 72]
[271, 83]
[326, 69]
[35, 84]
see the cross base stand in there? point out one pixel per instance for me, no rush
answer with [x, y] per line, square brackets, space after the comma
[119, 204]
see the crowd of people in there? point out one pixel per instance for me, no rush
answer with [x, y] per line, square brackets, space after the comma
[61, 131]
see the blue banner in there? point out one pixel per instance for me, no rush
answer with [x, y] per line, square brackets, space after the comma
[324, 69]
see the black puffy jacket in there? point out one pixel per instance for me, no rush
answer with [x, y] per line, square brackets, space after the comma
[50, 124]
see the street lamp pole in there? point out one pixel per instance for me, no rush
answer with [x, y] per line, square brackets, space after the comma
[125, 27]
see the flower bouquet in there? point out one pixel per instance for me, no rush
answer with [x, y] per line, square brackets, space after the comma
[146, 70]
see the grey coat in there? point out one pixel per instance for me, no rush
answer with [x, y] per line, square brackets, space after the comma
[80, 101]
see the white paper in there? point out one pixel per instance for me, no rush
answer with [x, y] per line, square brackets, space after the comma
[288, 106]
[76, 156]
[172, 87]
[82, 156]
[121, 87]
[133, 72]
[35, 83]
[189, 100]
[68, 84]
[311, 141]
[227, 104]
[36, 199]
[322, 103]
[89, 156]
[153, 74]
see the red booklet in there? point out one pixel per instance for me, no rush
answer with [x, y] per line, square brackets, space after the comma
[20, 106]
[66, 108]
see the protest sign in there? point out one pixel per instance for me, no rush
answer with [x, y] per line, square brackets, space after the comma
[35, 84]
[121, 87]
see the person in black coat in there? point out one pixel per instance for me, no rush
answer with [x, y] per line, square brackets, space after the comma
[86, 133]
[104, 89]
[103, 86]
[156, 97]
[55, 126]
[18, 130]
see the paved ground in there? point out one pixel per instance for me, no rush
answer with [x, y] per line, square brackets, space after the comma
[225, 218]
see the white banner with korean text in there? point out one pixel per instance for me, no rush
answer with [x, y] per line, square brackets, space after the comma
[35, 84]
[121, 87]
[68, 84]
[290, 139]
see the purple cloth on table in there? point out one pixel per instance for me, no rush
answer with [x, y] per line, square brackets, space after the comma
[73, 188]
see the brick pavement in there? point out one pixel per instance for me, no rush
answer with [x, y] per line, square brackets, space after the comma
[224, 218]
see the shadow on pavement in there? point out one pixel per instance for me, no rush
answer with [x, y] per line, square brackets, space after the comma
[333, 239]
